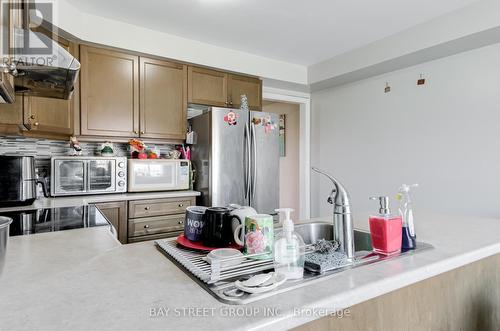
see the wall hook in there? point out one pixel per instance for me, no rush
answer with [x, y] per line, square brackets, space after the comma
[421, 81]
[387, 88]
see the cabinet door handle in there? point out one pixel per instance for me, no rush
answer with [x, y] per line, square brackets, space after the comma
[36, 124]
[142, 132]
[181, 222]
[181, 205]
[135, 131]
[146, 226]
[147, 208]
[32, 117]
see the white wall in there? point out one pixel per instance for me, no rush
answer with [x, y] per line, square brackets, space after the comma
[122, 35]
[444, 135]
[478, 17]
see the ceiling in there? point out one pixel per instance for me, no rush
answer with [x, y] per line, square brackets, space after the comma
[303, 32]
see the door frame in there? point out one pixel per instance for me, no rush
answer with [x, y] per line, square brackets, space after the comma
[304, 102]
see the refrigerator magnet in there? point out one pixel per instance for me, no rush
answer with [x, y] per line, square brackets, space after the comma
[231, 118]
[268, 124]
[257, 120]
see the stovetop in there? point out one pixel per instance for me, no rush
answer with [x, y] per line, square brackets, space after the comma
[54, 219]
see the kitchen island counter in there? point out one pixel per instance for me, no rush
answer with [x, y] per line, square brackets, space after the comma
[83, 279]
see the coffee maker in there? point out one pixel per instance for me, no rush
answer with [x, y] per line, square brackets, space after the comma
[18, 181]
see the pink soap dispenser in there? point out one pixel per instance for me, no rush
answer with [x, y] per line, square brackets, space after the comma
[386, 229]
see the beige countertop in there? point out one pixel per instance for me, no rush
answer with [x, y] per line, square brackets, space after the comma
[85, 280]
[82, 200]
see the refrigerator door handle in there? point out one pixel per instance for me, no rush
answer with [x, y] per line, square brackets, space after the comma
[247, 163]
[254, 161]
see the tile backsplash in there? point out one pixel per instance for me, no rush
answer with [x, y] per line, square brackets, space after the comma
[44, 149]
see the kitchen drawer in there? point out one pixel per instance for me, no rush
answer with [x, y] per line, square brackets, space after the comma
[154, 225]
[158, 207]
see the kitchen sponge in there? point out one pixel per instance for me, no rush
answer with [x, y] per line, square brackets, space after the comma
[325, 257]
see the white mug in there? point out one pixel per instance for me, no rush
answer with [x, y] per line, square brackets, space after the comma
[238, 215]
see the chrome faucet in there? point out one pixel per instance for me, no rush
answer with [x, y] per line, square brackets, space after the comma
[343, 228]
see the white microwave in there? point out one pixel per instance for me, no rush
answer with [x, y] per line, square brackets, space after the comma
[158, 175]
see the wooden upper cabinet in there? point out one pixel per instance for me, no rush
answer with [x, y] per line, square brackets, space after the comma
[41, 117]
[11, 116]
[251, 87]
[163, 99]
[109, 92]
[9, 19]
[48, 115]
[207, 87]
[216, 88]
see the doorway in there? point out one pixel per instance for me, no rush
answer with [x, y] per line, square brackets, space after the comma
[289, 126]
[303, 100]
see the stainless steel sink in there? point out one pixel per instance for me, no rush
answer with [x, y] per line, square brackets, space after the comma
[226, 292]
[312, 232]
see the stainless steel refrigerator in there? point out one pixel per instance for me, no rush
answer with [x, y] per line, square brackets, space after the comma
[236, 158]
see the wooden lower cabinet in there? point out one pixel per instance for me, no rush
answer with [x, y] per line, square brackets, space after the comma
[157, 218]
[466, 298]
[158, 207]
[116, 214]
[155, 225]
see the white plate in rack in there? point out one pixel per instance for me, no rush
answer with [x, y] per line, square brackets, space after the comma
[275, 281]
[228, 256]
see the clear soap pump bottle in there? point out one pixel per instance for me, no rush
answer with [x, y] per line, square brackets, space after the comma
[289, 249]
[406, 212]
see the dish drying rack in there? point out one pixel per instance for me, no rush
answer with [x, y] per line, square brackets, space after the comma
[219, 270]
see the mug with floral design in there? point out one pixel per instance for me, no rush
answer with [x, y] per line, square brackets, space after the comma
[257, 235]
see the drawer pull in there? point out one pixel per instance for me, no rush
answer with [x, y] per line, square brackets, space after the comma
[147, 208]
[180, 222]
[146, 226]
[181, 205]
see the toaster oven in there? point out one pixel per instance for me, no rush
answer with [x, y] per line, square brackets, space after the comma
[81, 175]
